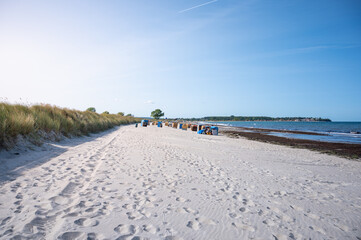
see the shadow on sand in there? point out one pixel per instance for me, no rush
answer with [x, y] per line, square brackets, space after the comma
[15, 162]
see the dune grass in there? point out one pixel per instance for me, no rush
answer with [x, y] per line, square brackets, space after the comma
[34, 121]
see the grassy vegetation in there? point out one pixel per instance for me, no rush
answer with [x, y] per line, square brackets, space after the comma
[33, 121]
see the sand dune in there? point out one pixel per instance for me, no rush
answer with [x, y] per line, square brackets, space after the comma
[153, 183]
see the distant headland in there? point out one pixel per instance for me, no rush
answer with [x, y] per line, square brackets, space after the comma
[260, 118]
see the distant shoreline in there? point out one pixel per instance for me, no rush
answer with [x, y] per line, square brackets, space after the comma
[260, 121]
[256, 119]
[267, 130]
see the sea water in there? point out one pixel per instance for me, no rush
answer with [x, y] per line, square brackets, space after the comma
[347, 132]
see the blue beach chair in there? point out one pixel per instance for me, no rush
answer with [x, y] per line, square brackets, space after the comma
[214, 130]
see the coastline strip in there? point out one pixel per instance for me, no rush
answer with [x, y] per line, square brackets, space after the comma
[351, 151]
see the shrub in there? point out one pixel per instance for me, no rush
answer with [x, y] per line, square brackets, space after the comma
[91, 109]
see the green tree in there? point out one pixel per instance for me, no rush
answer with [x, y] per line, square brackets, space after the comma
[129, 115]
[157, 113]
[91, 109]
[121, 113]
[105, 112]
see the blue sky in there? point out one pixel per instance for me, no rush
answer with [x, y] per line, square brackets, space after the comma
[244, 57]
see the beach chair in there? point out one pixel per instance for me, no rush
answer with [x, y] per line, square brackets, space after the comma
[207, 130]
[214, 130]
[144, 123]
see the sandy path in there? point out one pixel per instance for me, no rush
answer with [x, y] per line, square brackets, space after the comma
[171, 184]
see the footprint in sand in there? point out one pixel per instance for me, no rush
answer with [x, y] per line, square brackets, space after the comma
[59, 200]
[108, 189]
[280, 236]
[181, 210]
[19, 196]
[150, 228]
[15, 187]
[195, 225]
[190, 210]
[248, 202]
[94, 236]
[90, 210]
[18, 209]
[84, 204]
[134, 215]
[180, 199]
[269, 223]
[71, 236]
[234, 215]
[86, 222]
[70, 189]
[72, 214]
[243, 209]
[4, 221]
[126, 229]
[128, 206]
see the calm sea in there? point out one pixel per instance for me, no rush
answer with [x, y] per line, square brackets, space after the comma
[349, 132]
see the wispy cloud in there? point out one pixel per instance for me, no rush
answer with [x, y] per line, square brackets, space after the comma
[304, 50]
[314, 48]
[201, 5]
[149, 102]
[321, 47]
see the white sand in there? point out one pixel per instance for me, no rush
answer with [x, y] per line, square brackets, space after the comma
[163, 183]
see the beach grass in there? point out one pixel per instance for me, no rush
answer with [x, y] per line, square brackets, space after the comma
[37, 120]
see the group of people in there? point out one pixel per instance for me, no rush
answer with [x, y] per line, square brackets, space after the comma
[201, 129]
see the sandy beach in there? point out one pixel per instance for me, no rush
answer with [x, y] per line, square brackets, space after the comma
[165, 183]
